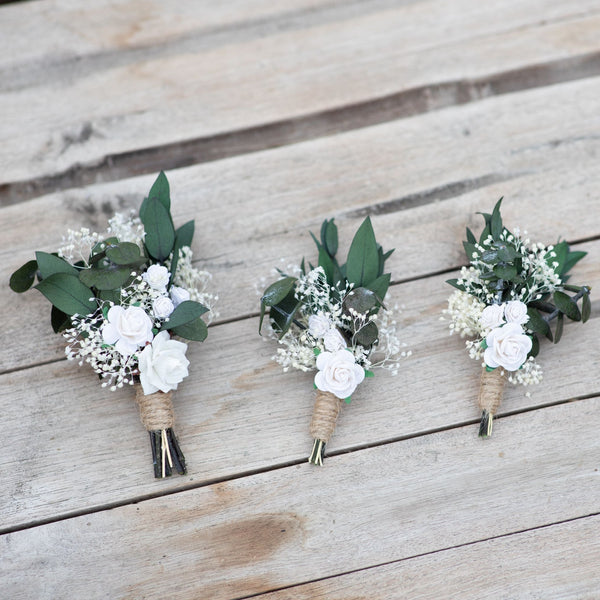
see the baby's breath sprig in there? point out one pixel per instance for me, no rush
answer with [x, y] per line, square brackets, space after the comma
[506, 299]
[328, 318]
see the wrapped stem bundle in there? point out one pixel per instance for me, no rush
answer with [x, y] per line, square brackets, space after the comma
[120, 299]
[327, 318]
[506, 299]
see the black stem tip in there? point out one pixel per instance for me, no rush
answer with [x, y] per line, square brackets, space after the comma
[485, 426]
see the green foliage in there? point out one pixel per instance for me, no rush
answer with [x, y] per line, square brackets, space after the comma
[275, 294]
[185, 313]
[68, 294]
[183, 237]
[195, 330]
[160, 234]
[22, 279]
[362, 266]
[48, 264]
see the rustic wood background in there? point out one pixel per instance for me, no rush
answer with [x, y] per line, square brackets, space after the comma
[268, 118]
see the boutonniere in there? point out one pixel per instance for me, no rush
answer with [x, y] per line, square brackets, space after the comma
[328, 319]
[514, 291]
[121, 299]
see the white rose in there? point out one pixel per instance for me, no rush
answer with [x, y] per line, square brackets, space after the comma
[318, 325]
[507, 347]
[162, 307]
[163, 364]
[334, 340]
[179, 295]
[338, 373]
[127, 329]
[492, 316]
[157, 277]
[515, 311]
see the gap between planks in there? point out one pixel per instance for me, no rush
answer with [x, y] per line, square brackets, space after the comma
[399, 105]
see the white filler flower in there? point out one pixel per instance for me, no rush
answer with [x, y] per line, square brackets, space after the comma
[515, 311]
[179, 295]
[492, 316]
[334, 340]
[162, 307]
[157, 277]
[163, 364]
[318, 325]
[127, 329]
[507, 347]
[338, 373]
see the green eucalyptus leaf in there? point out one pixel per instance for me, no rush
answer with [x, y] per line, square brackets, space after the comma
[560, 322]
[362, 265]
[536, 322]
[22, 279]
[195, 330]
[380, 286]
[283, 313]
[49, 264]
[454, 283]
[160, 190]
[586, 308]
[571, 260]
[470, 249]
[496, 221]
[112, 278]
[490, 256]
[184, 313]
[506, 272]
[361, 299]
[567, 305]
[507, 253]
[68, 294]
[125, 253]
[535, 346]
[366, 336]
[160, 234]
[113, 296]
[277, 291]
[331, 238]
[59, 320]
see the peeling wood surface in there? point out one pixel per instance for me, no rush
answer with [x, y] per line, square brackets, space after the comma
[418, 113]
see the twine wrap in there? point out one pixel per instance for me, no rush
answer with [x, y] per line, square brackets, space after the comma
[325, 413]
[491, 387]
[156, 410]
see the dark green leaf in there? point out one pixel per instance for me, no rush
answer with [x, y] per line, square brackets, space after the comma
[571, 260]
[68, 294]
[59, 320]
[361, 299]
[277, 291]
[366, 336]
[362, 265]
[327, 264]
[536, 322]
[586, 308]
[22, 279]
[560, 322]
[567, 305]
[184, 313]
[160, 234]
[507, 253]
[102, 246]
[470, 249]
[490, 256]
[160, 190]
[471, 239]
[49, 264]
[496, 221]
[380, 286]
[113, 296]
[105, 279]
[330, 241]
[125, 253]
[535, 346]
[283, 313]
[183, 237]
[315, 240]
[454, 283]
[506, 272]
[484, 234]
[195, 330]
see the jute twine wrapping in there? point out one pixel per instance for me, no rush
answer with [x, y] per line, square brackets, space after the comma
[325, 413]
[491, 387]
[156, 410]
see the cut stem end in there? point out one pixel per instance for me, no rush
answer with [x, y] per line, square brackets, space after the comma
[487, 422]
[166, 454]
[318, 453]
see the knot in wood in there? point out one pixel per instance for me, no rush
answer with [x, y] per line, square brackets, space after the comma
[156, 410]
[325, 413]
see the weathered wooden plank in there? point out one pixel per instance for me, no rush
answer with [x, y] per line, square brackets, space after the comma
[467, 157]
[190, 86]
[237, 412]
[297, 524]
[554, 563]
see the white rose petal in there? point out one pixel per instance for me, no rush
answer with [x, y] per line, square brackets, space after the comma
[179, 295]
[338, 373]
[127, 329]
[492, 316]
[163, 364]
[334, 340]
[157, 277]
[318, 325]
[515, 311]
[162, 307]
[508, 347]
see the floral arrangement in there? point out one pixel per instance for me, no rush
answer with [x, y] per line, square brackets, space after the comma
[120, 299]
[326, 318]
[506, 299]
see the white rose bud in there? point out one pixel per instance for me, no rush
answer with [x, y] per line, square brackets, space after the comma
[179, 295]
[515, 311]
[157, 277]
[492, 316]
[334, 340]
[338, 373]
[127, 329]
[318, 325]
[507, 347]
[163, 364]
[162, 307]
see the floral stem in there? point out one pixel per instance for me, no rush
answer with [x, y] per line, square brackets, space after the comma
[318, 452]
[166, 453]
[582, 292]
[485, 426]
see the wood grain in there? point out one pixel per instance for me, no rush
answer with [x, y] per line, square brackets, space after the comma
[554, 563]
[298, 523]
[150, 90]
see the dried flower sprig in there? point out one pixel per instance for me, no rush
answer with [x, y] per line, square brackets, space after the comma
[328, 318]
[506, 298]
[119, 298]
